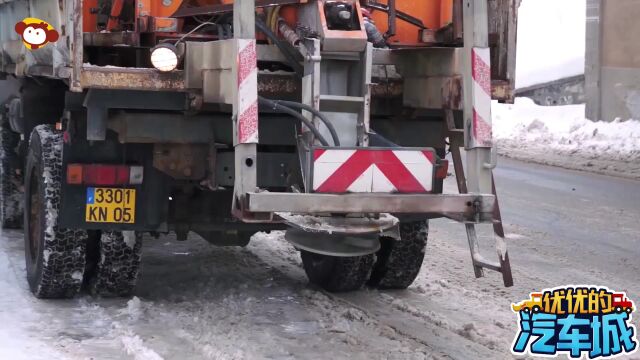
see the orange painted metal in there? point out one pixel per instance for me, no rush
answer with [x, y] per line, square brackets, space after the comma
[116, 10]
[89, 20]
[434, 14]
[446, 12]
[165, 8]
[290, 15]
[165, 25]
[153, 15]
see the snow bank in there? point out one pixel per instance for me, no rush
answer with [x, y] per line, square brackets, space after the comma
[551, 40]
[562, 136]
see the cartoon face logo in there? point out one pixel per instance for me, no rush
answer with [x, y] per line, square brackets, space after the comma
[36, 33]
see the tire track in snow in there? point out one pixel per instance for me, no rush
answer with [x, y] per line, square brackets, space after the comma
[382, 307]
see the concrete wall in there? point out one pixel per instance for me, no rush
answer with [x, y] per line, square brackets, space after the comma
[613, 59]
[567, 91]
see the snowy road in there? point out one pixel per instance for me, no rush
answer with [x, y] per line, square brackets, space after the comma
[196, 301]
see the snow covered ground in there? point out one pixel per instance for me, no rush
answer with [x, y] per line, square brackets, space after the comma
[561, 136]
[196, 301]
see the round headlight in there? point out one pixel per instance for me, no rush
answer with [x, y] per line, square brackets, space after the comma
[164, 57]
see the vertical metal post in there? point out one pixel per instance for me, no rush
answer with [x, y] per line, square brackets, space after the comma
[311, 78]
[477, 96]
[310, 96]
[245, 103]
[244, 19]
[77, 47]
[501, 243]
[364, 114]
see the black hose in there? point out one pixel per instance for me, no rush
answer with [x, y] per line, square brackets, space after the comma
[275, 106]
[322, 117]
[283, 47]
[374, 35]
[376, 139]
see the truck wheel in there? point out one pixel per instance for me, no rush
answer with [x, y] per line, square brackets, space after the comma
[337, 274]
[11, 198]
[117, 264]
[55, 257]
[399, 261]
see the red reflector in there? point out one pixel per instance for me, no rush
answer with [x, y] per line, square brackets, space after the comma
[98, 174]
[442, 170]
[74, 174]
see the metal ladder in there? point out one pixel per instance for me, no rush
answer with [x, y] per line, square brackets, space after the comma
[479, 262]
[481, 156]
[338, 83]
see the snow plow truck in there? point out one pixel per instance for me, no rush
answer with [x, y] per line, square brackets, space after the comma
[329, 119]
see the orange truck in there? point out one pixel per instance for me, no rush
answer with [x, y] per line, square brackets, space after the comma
[329, 119]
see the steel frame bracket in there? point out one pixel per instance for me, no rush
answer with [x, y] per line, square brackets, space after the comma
[245, 110]
[470, 208]
[98, 102]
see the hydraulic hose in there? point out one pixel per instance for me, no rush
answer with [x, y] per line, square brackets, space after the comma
[282, 46]
[279, 107]
[322, 117]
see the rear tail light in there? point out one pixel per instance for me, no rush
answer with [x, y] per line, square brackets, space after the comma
[99, 174]
[442, 170]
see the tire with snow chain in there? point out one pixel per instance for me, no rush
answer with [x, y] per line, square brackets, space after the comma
[399, 261]
[11, 198]
[55, 256]
[117, 264]
[337, 274]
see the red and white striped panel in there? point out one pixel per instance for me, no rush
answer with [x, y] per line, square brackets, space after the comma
[373, 171]
[482, 135]
[247, 63]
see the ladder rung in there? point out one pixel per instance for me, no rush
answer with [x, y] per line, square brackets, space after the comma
[341, 103]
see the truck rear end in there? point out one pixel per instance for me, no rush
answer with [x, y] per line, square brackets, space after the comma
[328, 119]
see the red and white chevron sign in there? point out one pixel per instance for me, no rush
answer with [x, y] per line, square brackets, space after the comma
[373, 171]
[247, 64]
[482, 135]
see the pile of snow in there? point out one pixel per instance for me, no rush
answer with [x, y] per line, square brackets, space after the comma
[537, 133]
[551, 40]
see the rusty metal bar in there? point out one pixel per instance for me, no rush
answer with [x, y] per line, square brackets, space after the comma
[399, 14]
[130, 79]
[472, 237]
[498, 229]
[391, 30]
[463, 204]
[77, 47]
[225, 8]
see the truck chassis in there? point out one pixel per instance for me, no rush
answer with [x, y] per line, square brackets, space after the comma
[210, 147]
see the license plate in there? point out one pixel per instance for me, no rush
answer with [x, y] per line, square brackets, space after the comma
[109, 205]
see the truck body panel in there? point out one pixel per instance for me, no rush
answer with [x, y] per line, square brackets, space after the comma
[238, 112]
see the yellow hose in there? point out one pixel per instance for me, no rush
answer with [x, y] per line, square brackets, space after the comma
[273, 24]
[269, 14]
[272, 20]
